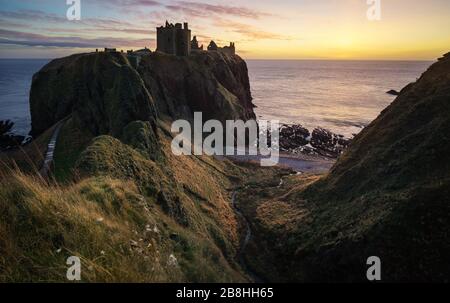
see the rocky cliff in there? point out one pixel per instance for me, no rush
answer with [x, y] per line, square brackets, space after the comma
[104, 93]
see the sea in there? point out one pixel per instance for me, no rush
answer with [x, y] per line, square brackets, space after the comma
[342, 96]
[15, 84]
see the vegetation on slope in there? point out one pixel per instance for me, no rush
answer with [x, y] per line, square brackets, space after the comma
[126, 216]
[119, 234]
[387, 196]
[119, 199]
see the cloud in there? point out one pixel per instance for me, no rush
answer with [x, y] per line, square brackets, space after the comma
[248, 31]
[199, 9]
[29, 27]
[61, 24]
[128, 3]
[32, 39]
[140, 31]
[32, 15]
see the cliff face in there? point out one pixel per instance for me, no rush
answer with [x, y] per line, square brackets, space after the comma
[387, 196]
[103, 93]
[213, 83]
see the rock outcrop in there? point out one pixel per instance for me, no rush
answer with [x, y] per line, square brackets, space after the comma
[101, 91]
[7, 138]
[209, 82]
[393, 92]
[327, 143]
[104, 93]
[297, 139]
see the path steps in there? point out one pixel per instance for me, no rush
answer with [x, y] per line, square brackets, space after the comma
[49, 155]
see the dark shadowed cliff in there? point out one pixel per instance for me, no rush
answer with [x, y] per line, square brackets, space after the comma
[104, 93]
[387, 196]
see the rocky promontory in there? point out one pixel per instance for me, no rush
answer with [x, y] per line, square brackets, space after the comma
[103, 92]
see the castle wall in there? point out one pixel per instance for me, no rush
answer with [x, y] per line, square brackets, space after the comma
[174, 39]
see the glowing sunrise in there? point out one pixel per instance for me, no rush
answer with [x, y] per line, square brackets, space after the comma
[266, 29]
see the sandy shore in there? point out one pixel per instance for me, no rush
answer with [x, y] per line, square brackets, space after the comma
[297, 162]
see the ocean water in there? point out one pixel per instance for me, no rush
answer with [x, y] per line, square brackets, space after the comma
[15, 84]
[342, 96]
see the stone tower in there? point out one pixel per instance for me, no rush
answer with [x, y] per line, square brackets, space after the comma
[174, 39]
[195, 46]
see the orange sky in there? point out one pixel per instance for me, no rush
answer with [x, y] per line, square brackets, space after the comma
[264, 29]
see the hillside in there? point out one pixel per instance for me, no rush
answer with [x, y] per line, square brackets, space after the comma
[387, 196]
[119, 199]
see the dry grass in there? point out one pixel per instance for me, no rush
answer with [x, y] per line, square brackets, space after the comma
[44, 224]
[123, 214]
[119, 234]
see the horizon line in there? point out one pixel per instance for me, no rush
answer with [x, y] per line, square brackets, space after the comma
[268, 59]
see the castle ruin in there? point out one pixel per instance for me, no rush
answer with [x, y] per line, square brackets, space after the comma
[176, 40]
[229, 50]
[195, 46]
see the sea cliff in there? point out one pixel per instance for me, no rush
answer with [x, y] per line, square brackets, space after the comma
[103, 92]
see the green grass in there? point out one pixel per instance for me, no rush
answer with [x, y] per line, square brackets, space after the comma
[107, 214]
[70, 144]
[109, 224]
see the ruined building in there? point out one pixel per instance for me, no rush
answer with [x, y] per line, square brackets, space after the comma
[174, 39]
[229, 50]
[212, 46]
[194, 45]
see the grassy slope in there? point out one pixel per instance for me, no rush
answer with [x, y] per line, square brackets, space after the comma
[106, 211]
[387, 196]
[71, 142]
[132, 181]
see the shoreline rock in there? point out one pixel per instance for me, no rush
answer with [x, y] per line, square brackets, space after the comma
[321, 142]
[8, 139]
[393, 92]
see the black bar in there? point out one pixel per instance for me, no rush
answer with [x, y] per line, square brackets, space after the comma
[143, 293]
